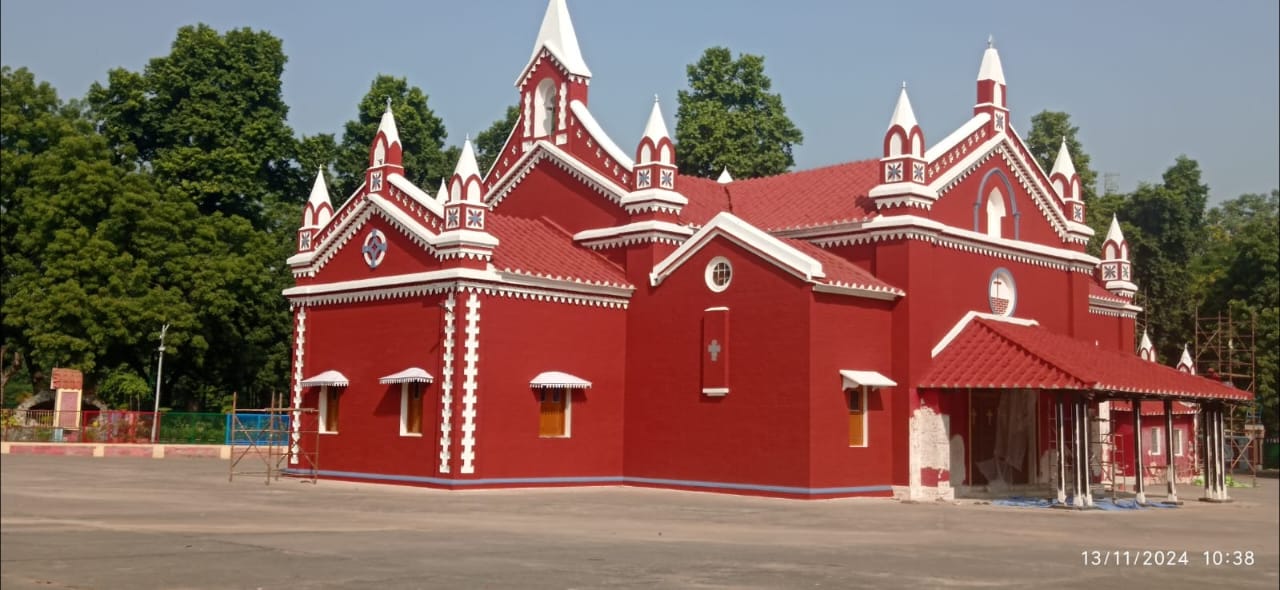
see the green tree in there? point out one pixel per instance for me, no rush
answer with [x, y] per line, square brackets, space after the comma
[207, 119]
[729, 118]
[489, 143]
[422, 134]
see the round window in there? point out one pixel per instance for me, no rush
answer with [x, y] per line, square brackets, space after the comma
[719, 273]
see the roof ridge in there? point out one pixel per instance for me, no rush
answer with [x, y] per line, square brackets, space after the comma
[742, 181]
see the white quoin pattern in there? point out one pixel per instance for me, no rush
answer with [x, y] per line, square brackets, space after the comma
[1115, 271]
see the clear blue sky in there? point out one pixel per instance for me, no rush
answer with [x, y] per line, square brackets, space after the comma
[1144, 80]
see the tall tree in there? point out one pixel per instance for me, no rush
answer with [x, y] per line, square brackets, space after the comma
[422, 133]
[208, 119]
[489, 143]
[729, 118]
[1048, 129]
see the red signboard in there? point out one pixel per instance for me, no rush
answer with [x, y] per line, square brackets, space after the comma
[67, 406]
[66, 379]
[715, 351]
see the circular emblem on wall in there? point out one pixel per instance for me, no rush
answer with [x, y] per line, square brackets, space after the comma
[1002, 293]
[375, 248]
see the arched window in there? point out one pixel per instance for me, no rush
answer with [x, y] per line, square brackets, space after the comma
[995, 212]
[895, 144]
[544, 108]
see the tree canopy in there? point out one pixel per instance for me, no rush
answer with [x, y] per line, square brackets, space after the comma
[729, 118]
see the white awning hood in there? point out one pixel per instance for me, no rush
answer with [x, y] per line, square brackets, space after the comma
[559, 379]
[853, 378]
[410, 375]
[330, 378]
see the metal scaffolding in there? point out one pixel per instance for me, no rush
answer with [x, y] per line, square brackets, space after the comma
[264, 443]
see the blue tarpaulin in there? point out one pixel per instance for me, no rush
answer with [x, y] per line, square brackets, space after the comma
[1100, 503]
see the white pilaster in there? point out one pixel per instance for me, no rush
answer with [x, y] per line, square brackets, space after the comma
[295, 420]
[471, 356]
[446, 389]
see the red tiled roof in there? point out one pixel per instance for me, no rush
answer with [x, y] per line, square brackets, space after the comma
[1100, 292]
[806, 198]
[787, 201]
[1154, 408]
[842, 272]
[540, 248]
[706, 198]
[1001, 355]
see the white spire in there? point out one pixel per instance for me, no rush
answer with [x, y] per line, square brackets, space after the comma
[557, 35]
[1113, 233]
[991, 69]
[902, 113]
[442, 195]
[319, 192]
[467, 161]
[1063, 164]
[388, 126]
[656, 128]
[1146, 350]
[1185, 363]
[725, 178]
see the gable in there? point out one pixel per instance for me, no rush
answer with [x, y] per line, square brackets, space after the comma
[551, 186]
[375, 240]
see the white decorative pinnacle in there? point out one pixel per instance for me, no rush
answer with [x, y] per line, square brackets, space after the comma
[1113, 233]
[902, 113]
[724, 178]
[1145, 348]
[319, 192]
[1185, 363]
[442, 195]
[388, 126]
[991, 69]
[656, 128]
[557, 36]
[467, 166]
[1063, 163]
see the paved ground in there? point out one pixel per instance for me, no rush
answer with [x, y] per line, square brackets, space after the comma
[71, 522]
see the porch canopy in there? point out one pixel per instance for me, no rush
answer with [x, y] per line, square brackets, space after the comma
[330, 378]
[559, 379]
[853, 379]
[410, 375]
[993, 354]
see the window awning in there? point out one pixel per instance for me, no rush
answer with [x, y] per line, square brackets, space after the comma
[559, 379]
[330, 378]
[853, 378]
[410, 375]
[993, 354]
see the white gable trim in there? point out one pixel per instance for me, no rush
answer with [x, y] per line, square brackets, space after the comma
[956, 136]
[310, 263]
[418, 195]
[747, 236]
[636, 227]
[543, 149]
[589, 122]
[968, 317]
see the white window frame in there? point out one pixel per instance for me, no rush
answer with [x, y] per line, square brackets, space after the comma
[324, 411]
[405, 399]
[1157, 433]
[1177, 441]
[709, 274]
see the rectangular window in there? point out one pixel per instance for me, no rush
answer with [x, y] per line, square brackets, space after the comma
[1177, 442]
[411, 409]
[329, 409]
[857, 399]
[553, 414]
[1156, 435]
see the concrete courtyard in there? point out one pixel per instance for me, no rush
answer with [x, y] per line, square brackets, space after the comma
[78, 522]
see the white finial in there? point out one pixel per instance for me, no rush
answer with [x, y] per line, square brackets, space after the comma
[1145, 349]
[558, 37]
[388, 97]
[1113, 233]
[442, 195]
[655, 128]
[1185, 364]
[904, 84]
[991, 41]
[319, 192]
[388, 125]
[467, 161]
[1063, 162]
[724, 178]
[991, 68]
[902, 113]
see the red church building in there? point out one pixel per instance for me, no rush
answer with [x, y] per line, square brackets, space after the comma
[579, 314]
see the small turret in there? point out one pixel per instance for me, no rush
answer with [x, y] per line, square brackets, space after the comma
[992, 91]
[385, 153]
[1114, 270]
[1066, 183]
[725, 177]
[555, 76]
[1185, 364]
[1146, 351]
[465, 241]
[653, 184]
[903, 174]
[315, 214]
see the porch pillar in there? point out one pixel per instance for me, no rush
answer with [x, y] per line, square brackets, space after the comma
[1170, 470]
[1139, 485]
[1061, 438]
[1219, 446]
[1207, 412]
[1083, 496]
[1215, 476]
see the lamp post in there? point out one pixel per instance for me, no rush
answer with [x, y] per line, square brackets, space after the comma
[155, 417]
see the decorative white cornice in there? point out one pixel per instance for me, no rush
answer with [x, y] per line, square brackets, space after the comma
[418, 195]
[746, 235]
[589, 123]
[636, 227]
[545, 150]
[543, 281]
[866, 291]
[502, 283]
[308, 264]
[649, 195]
